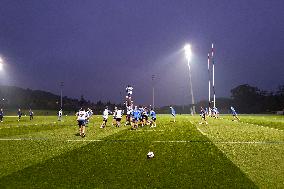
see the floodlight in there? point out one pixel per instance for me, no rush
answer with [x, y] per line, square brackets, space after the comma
[188, 53]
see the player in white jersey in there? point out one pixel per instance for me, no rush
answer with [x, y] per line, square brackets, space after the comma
[81, 118]
[59, 115]
[114, 116]
[89, 113]
[105, 117]
[129, 90]
[129, 111]
[118, 116]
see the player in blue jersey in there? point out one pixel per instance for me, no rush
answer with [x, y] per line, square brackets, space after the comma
[135, 117]
[1, 115]
[173, 112]
[234, 113]
[153, 118]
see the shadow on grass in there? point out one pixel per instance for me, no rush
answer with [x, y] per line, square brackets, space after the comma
[124, 164]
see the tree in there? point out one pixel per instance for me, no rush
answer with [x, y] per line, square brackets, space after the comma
[247, 99]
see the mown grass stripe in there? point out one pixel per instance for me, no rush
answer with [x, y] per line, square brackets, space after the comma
[155, 141]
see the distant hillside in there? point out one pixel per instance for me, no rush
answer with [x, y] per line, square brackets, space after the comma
[245, 98]
[16, 97]
[12, 97]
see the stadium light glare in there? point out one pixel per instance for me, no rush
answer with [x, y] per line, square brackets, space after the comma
[1, 63]
[188, 53]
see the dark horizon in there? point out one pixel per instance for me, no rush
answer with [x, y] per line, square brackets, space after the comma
[98, 47]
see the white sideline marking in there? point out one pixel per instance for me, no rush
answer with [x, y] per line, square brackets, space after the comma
[155, 141]
[22, 139]
[147, 130]
[201, 131]
[261, 126]
[85, 140]
[11, 139]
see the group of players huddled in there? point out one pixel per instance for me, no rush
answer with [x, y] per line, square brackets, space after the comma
[135, 116]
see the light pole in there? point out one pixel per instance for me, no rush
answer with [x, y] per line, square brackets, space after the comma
[188, 55]
[153, 92]
[213, 84]
[61, 87]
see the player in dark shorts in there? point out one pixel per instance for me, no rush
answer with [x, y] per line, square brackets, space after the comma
[19, 114]
[203, 116]
[234, 113]
[153, 118]
[1, 115]
[31, 114]
[118, 117]
[135, 118]
[105, 117]
[81, 118]
[173, 112]
[114, 116]
[145, 116]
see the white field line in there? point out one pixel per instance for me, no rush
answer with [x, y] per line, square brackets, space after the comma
[267, 127]
[261, 126]
[147, 130]
[155, 141]
[201, 131]
[77, 140]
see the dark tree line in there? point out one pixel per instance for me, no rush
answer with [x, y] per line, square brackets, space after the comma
[15, 97]
[245, 99]
[249, 99]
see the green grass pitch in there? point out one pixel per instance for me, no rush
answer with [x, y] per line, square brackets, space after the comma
[46, 153]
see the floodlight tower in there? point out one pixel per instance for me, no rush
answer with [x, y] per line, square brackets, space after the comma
[209, 82]
[153, 92]
[213, 84]
[188, 55]
[61, 87]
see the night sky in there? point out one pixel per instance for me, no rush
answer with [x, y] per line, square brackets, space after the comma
[98, 47]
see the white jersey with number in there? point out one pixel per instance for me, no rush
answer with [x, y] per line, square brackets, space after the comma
[81, 116]
[129, 110]
[129, 90]
[119, 114]
[105, 114]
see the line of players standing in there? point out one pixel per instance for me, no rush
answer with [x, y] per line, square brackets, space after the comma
[215, 114]
[19, 113]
